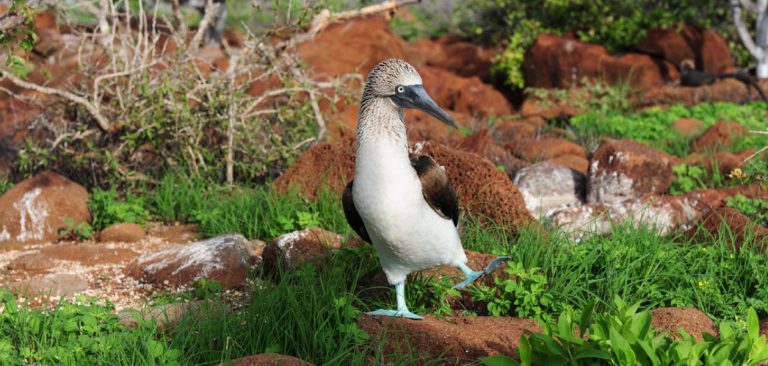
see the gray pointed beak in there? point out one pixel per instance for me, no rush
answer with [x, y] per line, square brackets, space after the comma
[418, 98]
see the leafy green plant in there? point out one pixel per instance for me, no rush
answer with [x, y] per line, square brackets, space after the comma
[654, 126]
[521, 292]
[75, 231]
[107, 209]
[625, 337]
[5, 184]
[687, 178]
[22, 35]
[754, 208]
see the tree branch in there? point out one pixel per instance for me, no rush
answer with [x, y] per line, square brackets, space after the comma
[211, 10]
[746, 38]
[103, 123]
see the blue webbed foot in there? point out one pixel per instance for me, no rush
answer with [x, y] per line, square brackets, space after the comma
[471, 277]
[495, 263]
[474, 275]
[403, 313]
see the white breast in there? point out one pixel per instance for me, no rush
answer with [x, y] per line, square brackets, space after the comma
[406, 232]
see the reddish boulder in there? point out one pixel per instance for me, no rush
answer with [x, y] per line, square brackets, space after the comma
[485, 192]
[687, 127]
[35, 209]
[623, 169]
[294, 249]
[714, 53]
[639, 71]
[464, 58]
[692, 320]
[222, 258]
[718, 136]
[49, 37]
[560, 62]
[545, 149]
[323, 166]
[483, 144]
[367, 41]
[740, 228]
[52, 285]
[268, 359]
[667, 44]
[510, 131]
[459, 340]
[88, 254]
[725, 90]
[423, 52]
[464, 94]
[31, 263]
[126, 232]
[577, 163]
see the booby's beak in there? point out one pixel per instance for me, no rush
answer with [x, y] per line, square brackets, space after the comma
[416, 97]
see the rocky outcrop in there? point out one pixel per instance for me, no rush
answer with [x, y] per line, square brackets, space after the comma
[692, 320]
[625, 169]
[222, 258]
[547, 186]
[461, 339]
[736, 226]
[718, 136]
[35, 209]
[126, 232]
[291, 250]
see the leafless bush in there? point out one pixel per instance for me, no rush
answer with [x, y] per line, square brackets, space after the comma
[147, 99]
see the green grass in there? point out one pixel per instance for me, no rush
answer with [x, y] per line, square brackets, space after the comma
[654, 126]
[255, 212]
[312, 314]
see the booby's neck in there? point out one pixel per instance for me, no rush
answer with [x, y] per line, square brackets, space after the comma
[381, 120]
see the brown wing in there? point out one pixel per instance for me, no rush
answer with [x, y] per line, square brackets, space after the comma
[350, 211]
[436, 188]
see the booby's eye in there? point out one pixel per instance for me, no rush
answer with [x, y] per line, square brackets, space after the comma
[400, 89]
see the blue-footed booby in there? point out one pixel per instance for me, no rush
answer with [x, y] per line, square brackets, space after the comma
[403, 204]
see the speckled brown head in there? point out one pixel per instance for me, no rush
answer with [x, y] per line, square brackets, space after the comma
[398, 81]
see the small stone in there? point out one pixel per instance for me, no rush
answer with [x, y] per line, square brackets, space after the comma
[126, 232]
[54, 285]
[33, 262]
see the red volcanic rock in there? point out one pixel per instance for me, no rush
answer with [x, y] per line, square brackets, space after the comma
[718, 136]
[577, 163]
[126, 232]
[291, 250]
[687, 127]
[639, 71]
[667, 44]
[692, 320]
[460, 340]
[367, 41]
[35, 209]
[462, 94]
[740, 228]
[323, 166]
[222, 258]
[622, 169]
[545, 149]
[268, 359]
[560, 62]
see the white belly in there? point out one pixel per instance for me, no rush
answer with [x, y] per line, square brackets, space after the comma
[406, 232]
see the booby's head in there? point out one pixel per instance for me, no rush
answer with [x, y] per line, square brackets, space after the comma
[399, 82]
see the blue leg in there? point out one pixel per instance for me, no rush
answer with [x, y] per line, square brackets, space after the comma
[402, 309]
[471, 275]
